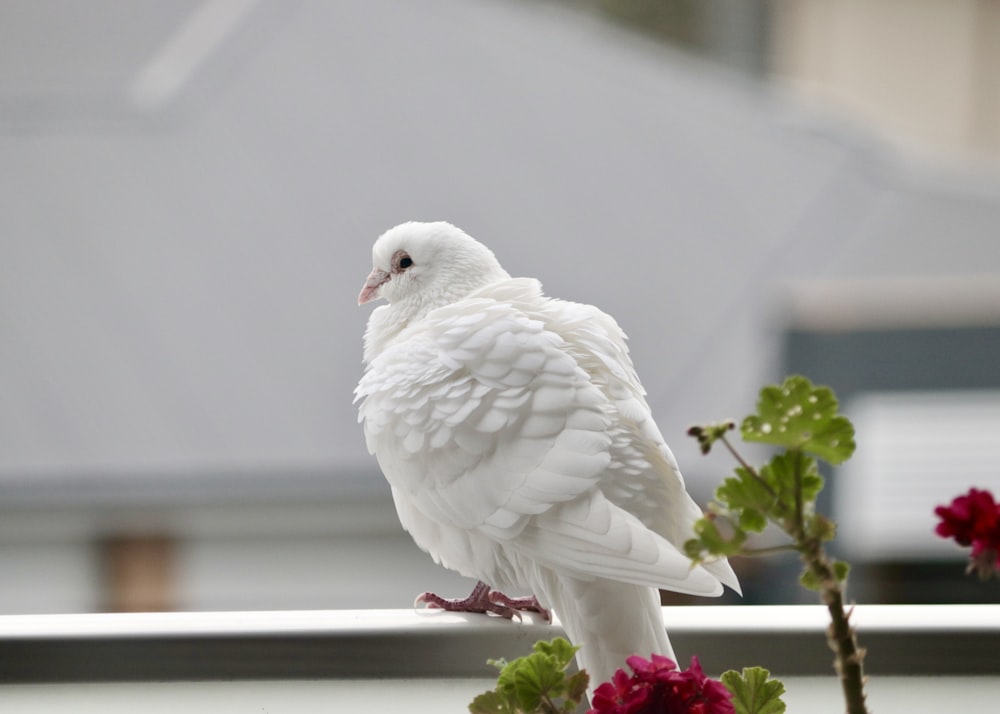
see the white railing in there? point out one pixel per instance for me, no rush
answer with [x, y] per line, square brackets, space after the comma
[422, 660]
[901, 639]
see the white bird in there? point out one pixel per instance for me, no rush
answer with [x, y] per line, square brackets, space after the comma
[520, 449]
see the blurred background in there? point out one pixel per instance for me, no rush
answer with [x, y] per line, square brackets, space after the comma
[189, 191]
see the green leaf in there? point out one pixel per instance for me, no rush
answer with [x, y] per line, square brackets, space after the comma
[812, 483]
[491, 702]
[576, 688]
[779, 475]
[712, 540]
[560, 648]
[754, 692]
[821, 528]
[537, 676]
[810, 580]
[838, 571]
[781, 470]
[746, 491]
[799, 415]
[524, 683]
[694, 549]
[752, 520]
[750, 499]
[754, 498]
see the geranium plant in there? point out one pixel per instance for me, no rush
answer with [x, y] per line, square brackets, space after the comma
[803, 421]
[541, 683]
[538, 683]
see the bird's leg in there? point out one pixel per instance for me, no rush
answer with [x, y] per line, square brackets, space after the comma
[477, 601]
[526, 604]
[483, 599]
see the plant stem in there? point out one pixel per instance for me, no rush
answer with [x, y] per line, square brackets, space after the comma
[746, 465]
[841, 636]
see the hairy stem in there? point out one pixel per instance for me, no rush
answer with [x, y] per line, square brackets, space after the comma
[841, 635]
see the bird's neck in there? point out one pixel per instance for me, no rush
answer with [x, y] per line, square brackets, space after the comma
[389, 321]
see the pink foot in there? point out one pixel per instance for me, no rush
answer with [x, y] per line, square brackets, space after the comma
[483, 599]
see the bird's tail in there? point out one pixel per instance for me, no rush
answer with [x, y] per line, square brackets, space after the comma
[609, 620]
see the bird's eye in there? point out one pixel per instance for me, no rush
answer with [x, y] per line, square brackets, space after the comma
[401, 260]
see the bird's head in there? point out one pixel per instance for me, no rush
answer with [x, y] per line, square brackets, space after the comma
[428, 265]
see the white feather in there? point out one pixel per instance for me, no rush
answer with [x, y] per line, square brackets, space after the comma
[519, 445]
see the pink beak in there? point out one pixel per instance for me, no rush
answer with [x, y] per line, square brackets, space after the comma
[376, 279]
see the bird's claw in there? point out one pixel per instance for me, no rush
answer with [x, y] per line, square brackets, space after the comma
[484, 600]
[517, 605]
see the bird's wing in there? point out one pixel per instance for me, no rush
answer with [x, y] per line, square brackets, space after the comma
[480, 416]
[643, 477]
[479, 412]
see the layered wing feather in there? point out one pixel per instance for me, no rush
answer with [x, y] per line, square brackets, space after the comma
[487, 421]
[478, 415]
[643, 477]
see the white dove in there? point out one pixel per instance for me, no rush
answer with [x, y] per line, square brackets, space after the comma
[520, 449]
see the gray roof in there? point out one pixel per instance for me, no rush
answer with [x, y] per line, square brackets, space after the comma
[181, 246]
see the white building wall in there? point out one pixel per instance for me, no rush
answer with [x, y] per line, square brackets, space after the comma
[924, 71]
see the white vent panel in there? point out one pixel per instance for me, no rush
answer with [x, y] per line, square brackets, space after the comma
[916, 450]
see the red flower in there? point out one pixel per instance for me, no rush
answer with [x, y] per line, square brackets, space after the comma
[974, 519]
[658, 687]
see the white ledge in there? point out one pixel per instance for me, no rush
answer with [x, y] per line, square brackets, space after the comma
[725, 619]
[901, 639]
